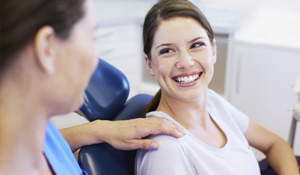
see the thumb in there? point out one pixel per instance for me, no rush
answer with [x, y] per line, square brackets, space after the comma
[145, 144]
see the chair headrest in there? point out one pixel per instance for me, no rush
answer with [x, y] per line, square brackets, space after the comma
[106, 93]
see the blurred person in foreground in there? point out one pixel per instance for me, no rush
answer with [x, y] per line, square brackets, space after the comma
[47, 59]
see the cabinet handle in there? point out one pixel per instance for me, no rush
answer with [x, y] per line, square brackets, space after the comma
[237, 85]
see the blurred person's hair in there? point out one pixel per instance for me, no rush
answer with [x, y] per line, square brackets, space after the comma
[21, 19]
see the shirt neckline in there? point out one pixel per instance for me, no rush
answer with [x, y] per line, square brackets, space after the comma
[212, 114]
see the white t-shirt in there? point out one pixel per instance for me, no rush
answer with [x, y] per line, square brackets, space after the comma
[189, 156]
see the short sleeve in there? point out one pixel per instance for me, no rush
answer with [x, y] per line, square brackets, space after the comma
[170, 159]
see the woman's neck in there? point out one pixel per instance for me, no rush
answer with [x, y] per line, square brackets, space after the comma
[189, 114]
[23, 122]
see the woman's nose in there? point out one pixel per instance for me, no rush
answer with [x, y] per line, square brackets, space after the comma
[185, 61]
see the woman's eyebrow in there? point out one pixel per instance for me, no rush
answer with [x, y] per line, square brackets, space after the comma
[169, 44]
[166, 44]
[193, 40]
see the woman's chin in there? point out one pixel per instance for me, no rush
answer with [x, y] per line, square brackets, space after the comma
[79, 103]
[73, 105]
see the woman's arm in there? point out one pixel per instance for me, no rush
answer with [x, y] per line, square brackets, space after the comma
[279, 154]
[125, 135]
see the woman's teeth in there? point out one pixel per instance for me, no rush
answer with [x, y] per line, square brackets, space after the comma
[189, 79]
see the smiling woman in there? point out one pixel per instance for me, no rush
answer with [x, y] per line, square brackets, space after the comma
[155, 17]
[180, 51]
[189, 54]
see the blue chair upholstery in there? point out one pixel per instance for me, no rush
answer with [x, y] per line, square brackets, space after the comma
[106, 93]
[105, 99]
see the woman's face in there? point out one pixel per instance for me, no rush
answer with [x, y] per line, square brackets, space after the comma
[76, 58]
[182, 58]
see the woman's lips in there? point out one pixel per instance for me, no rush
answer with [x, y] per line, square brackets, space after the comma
[188, 78]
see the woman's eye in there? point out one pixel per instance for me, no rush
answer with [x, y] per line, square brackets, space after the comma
[195, 45]
[164, 51]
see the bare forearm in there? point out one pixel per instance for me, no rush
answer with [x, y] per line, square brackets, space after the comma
[125, 135]
[81, 135]
[282, 159]
[279, 154]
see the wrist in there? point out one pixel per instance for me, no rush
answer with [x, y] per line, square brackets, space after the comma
[98, 131]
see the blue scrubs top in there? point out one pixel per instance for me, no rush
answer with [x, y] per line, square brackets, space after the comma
[59, 154]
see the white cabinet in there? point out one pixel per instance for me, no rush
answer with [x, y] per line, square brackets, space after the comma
[262, 69]
[121, 46]
[261, 86]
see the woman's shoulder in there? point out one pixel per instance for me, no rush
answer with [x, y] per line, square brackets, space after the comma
[166, 142]
[170, 158]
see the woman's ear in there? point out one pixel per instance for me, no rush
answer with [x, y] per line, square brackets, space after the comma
[149, 65]
[44, 49]
[214, 49]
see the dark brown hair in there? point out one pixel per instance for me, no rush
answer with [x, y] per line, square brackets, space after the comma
[161, 11]
[21, 19]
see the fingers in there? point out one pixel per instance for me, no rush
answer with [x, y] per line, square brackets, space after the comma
[128, 134]
[166, 126]
[144, 144]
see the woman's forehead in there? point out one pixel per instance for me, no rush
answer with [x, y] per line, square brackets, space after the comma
[179, 28]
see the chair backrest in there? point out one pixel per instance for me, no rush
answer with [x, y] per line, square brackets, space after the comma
[106, 93]
[105, 99]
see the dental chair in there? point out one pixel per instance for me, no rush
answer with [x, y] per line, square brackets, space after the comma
[106, 99]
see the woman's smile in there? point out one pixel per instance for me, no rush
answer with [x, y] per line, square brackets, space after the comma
[187, 79]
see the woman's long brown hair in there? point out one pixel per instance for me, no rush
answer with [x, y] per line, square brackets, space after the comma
[161, 11]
